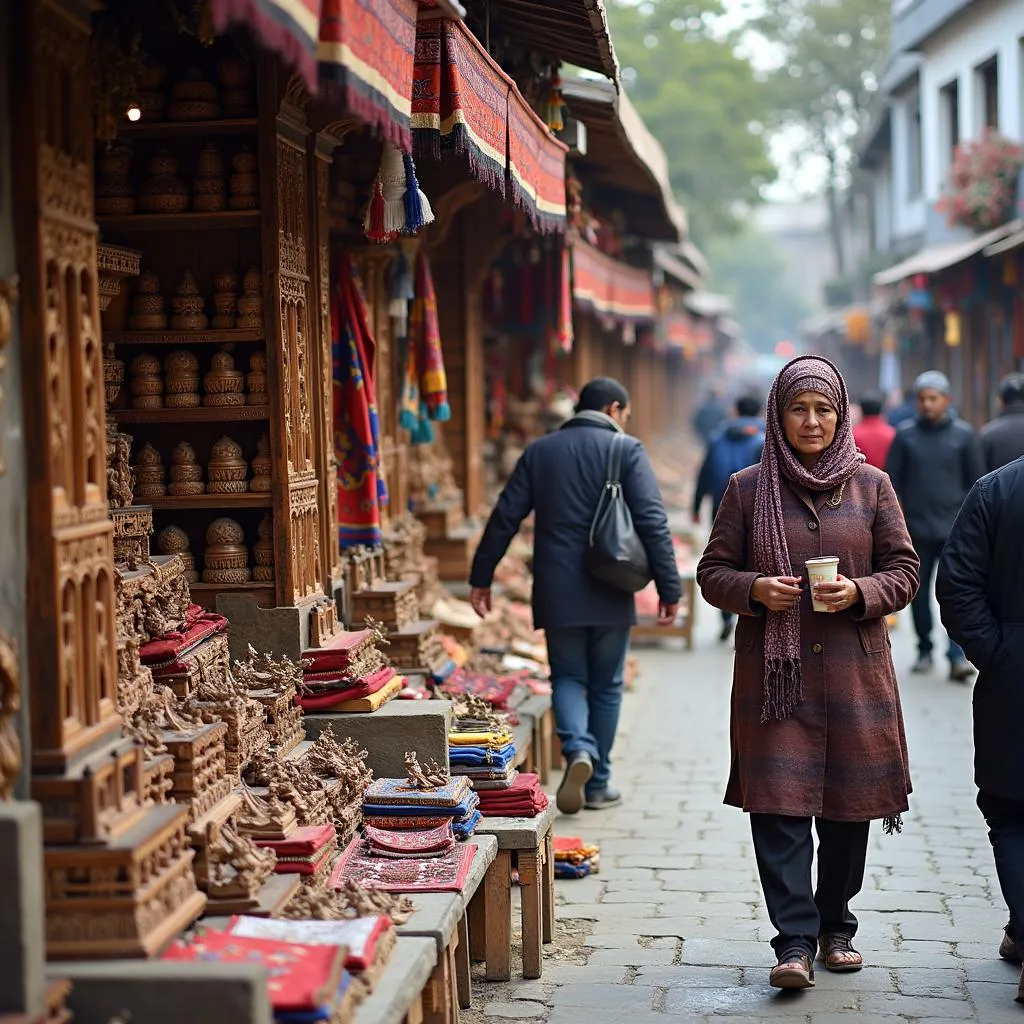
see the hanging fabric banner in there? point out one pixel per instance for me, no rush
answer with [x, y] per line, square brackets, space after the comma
[607, 286]
[361, 489]
[536, 165]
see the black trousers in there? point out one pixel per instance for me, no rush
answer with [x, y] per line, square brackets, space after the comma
[1005, 820]
[784, 848]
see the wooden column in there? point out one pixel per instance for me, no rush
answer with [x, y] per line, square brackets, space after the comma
[71, 583]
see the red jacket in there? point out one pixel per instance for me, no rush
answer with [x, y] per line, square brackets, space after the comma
[874, 436]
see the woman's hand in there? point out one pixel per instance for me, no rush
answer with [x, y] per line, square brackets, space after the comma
[837, 596]
[777, 593]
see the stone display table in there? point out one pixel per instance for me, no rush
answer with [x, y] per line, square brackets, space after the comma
[397, 996]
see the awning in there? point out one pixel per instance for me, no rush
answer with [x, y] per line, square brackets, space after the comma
[1015, 241]
[676, 268]
[940, 257]
[709, 304]
[463, 102]
[625, 160]
[609, 287]
[362, 49]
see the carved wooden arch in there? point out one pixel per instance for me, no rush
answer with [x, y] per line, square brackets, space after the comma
[296, 95]
[447, 207]
[339, 128]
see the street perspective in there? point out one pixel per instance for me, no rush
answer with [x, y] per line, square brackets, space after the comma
[511, 511]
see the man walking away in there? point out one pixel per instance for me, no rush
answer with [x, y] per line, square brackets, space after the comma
[933, 462]
[1002, 440]
[736, 445]
[902, 412]
[560, 478]
[981, 594]
[709, 417]
[873, 435]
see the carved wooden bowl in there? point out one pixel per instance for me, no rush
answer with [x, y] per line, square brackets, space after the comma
[193, 110]
[223, 321]
[147, 385]
[148, 402]
[185, 488]
[263, 483]
[186, 473]
[149, 474]
[147, 322]
[145, 365]
[220, 382]
[185, 400]
[146, 492]
[115, 206]
[227, 487]
[164, 202]
[190, 321]
[230, 556]
[225, 302]
[172, 540]
[224, 530]
[226, 576]
[263, 574]
[263, 552]
[220, 472]
[221, 401]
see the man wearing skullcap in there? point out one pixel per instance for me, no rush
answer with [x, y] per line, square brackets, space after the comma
[934, 461]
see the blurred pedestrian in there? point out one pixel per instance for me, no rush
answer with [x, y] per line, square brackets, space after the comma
[981, 594]
[1002, 440]
[817, 729]
[736, 445]
[904, 410]
[560, 478]
[873, 434]
[709, 416]
[933, 462]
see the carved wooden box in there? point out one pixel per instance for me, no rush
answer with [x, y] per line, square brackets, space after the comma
[200, 778]
[208, 663]
[133, 526]
[284, 718]
[418, 648]
[394, 605]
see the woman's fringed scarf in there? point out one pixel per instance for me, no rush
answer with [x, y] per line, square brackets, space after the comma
[361, 489]
[425, 384]
[782, 679]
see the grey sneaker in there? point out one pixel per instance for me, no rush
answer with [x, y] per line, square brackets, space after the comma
[922, 666]
[601, 799]
[961, 671]
[572, 791]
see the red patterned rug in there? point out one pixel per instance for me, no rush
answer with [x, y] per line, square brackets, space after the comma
[446, 873]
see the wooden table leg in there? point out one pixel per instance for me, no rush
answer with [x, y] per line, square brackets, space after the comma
[530, 884]
[543, 744]
[556, 748]
[498, 934]
[477, 921]
[463, 974]
[548, 887]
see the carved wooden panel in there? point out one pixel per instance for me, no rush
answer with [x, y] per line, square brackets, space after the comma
[70, 590]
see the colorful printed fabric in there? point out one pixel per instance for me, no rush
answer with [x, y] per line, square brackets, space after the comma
[565, 870]
[445, 873]
[322, 701]
[459, 99]
[365, 938]
[425, 385]
[299, 977]
[434, 840]
[423, 813]
[496, 690]
[361, 489]
[465, 827]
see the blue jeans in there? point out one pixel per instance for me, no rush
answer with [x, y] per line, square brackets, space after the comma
[587, 665]
[921, 607]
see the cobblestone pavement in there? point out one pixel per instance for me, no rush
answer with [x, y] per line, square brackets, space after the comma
[674, 925]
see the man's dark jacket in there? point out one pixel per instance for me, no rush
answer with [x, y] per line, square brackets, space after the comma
[560, 477]
[932, 467]
[735, 446]
[1002, 440]
[981, 594]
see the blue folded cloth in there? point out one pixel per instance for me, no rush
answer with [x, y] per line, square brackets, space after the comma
[464, 828]
[479, 757]
[456, 811]
[320, 1013]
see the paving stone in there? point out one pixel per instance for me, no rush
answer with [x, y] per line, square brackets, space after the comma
[693, 977]
[567, 974]
[943, 984]
[571, 1015]
[637, 956]
[603, 997]
[762, 1002]
[875, 1002]
[516, 1011]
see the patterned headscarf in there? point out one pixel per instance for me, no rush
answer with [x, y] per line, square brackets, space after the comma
[782, 681]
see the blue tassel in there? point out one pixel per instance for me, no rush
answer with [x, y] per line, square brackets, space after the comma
[408, 421]
[417, 208]
[443, 413]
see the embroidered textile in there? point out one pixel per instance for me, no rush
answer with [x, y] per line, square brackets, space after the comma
[361, 489]
[327, 694]
[536, 165]
[361, 936]
[610, 287]
[164, 652]
[464, 827]
[497, 690]
[445, 873]
[299, 978]
[409, 843]
[402, 792]
[303, 842]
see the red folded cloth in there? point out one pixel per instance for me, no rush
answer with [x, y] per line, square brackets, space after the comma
[163, 651]
[523, 799]
[434, 840]
[496, 690]
[298, 977]
[337, 656]
[303, 842]
[326, 700]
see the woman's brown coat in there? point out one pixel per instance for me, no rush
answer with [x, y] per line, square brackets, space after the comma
[842, 755]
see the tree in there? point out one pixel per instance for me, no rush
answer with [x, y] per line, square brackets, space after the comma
[828, 54]
[701, 100]
[749, 267]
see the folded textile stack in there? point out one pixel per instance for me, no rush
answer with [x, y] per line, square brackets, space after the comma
[498, 691]
[399, 843]
[424, 800]
[351, 674]
[369, 941]
[574, 858]
[489, 768]
[444, 872]
[522, 799]
[306, 983]
[307, 851]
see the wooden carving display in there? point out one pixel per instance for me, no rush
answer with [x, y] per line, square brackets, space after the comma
[10, 701]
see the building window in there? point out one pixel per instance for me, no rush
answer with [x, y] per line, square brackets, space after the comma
[986, 78]
[914, 146]
[949, 112]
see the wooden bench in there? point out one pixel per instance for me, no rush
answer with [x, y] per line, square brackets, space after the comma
[537, 708]
[526, 842]
[443, 917]
[401, 988]
[647, 629]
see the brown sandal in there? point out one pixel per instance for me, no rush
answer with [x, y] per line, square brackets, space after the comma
[794, 970]
[836, 952]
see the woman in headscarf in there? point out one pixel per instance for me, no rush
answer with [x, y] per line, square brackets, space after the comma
[817, 728]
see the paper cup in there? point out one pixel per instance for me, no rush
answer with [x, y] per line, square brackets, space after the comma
[821, 570]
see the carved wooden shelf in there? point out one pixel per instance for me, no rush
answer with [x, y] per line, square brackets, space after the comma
[202, 414]
[173, 129]
[182, 337]
[254, 499]
[227, 220]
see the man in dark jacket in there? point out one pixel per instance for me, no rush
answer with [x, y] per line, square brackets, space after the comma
[736, 445]
[981, 595]
[709, 416]
[560, 478]
[933, 462]
[1002, 440]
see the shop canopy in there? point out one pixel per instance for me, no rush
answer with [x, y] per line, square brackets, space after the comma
[949, 254]
[624, 160]
[609, 287]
